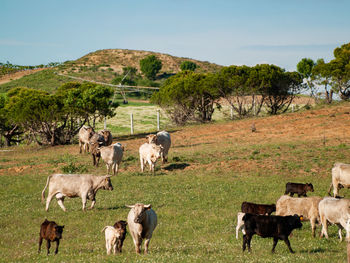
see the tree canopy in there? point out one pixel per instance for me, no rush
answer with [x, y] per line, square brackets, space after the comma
[150, 66]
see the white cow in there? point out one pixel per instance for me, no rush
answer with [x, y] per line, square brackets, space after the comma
[340, 177]
[149, 153]
[161, 138]
[85, 133]
[142, 221]
[75, 185]
[112, 155]
[335, 211]
[111, 235]
[240, 223]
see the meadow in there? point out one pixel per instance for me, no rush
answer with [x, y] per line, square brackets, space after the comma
[212, 169]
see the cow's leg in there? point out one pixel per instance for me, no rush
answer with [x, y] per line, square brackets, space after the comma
[275, 240]
[335, 189]
[92, 203]
[84, 200]
[286, 240]
[142, 163]
[249, 238]
[40, 242]
[60, 200]
[115, 247]
[108, 168]
[48, 245]
[48, 200]
[108, 247]
[146, 245]
[313, 226]
[138, 242]
[115, 168]
[340, 227]
[244, 242]
[57, 244]
[80, 146]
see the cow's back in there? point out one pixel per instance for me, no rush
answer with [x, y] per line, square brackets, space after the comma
[334, 209]
[341, 174]
[72, 183]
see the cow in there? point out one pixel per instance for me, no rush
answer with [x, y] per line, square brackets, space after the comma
[114, 237]
[142, 221]
[107, 135]
[121, 227]
[112, 155]
[96, 141]
[51, 232]
[149, 153]
[340, 178]
[277, 227]
[257, 209]
[308, 207]
[74, 185]
[300, 189]
[85, 133]
[161, 138]
[240, 223]
[335, 211]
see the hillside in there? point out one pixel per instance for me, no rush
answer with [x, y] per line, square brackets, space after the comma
[212, 169]
[101, 65]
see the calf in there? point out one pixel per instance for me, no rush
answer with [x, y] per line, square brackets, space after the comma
[240, 223]
[257, 209]
[121, 227]
[85, 133]
[149, 153]
[277, 227]
[340, 178]
[52, 232]
[300, 189]
[161, 138]
[142, 221]
[112, 155]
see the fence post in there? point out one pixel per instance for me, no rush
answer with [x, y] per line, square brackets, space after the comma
[231, 113]
[158, 121]
[292, 107]
[131, 124]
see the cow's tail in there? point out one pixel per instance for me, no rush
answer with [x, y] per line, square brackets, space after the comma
[43, 192]
[330, 189]
[104, 229]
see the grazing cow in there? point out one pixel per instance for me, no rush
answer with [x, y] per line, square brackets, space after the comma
[340, 178]
[149, 152]
[335, 211]
[277, 227]
[142, 221]
[240, 223]
[257, 209]
[121, 227]
[52, 232]
[300, 189]
[112, 155]
[308, 207]
[107, 135]
[85, 133]
[74, 185]
[96, 141]
[112, 236]
[162, 138]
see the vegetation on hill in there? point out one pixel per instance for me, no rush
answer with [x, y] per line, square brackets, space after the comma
[9, 68]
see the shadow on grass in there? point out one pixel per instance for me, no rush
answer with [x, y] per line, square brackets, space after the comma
[176, 166]
[117, 207]
[139, 135]
[191, 145]
[314, 251]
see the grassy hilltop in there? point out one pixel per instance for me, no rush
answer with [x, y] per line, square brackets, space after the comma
[212, 169]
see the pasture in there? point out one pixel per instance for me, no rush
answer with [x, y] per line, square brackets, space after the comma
[212, 169]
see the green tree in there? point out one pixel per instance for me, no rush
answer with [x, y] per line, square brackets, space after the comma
[150, 66]
[305, 68]
[322, 77]
[188, 65]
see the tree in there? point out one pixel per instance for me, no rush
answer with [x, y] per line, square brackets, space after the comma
[339, 68]
[305, 68]
[322, 77]
[187, 96]
[150, 66]
[188, 65]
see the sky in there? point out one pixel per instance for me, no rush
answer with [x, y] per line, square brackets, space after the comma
[236, 32]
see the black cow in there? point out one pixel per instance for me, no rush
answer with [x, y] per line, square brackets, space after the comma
[277, 227]
[257, 209]
[52, 232]
[300, 189]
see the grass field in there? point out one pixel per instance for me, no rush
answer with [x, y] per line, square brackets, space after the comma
[212, 169]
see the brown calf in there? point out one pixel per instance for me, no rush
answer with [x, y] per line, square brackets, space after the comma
[299, 189]
[50, 231]
[257, 209]
[121, 227]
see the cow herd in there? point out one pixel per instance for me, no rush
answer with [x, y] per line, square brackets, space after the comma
[291, 211]
[142, 219]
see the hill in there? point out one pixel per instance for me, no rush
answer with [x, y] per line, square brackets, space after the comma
[103, 66]
[212, 169]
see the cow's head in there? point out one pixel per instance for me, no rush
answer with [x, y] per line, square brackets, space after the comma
[139, 212]
[58, 230]
[310, 187]
[152, 138]
[107, 183]
[295, 221]
[157, 152]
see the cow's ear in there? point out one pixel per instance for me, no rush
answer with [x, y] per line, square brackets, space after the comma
[149, 206]
[62, 226]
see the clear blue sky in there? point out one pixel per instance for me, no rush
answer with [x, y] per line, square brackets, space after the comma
[232, 32]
